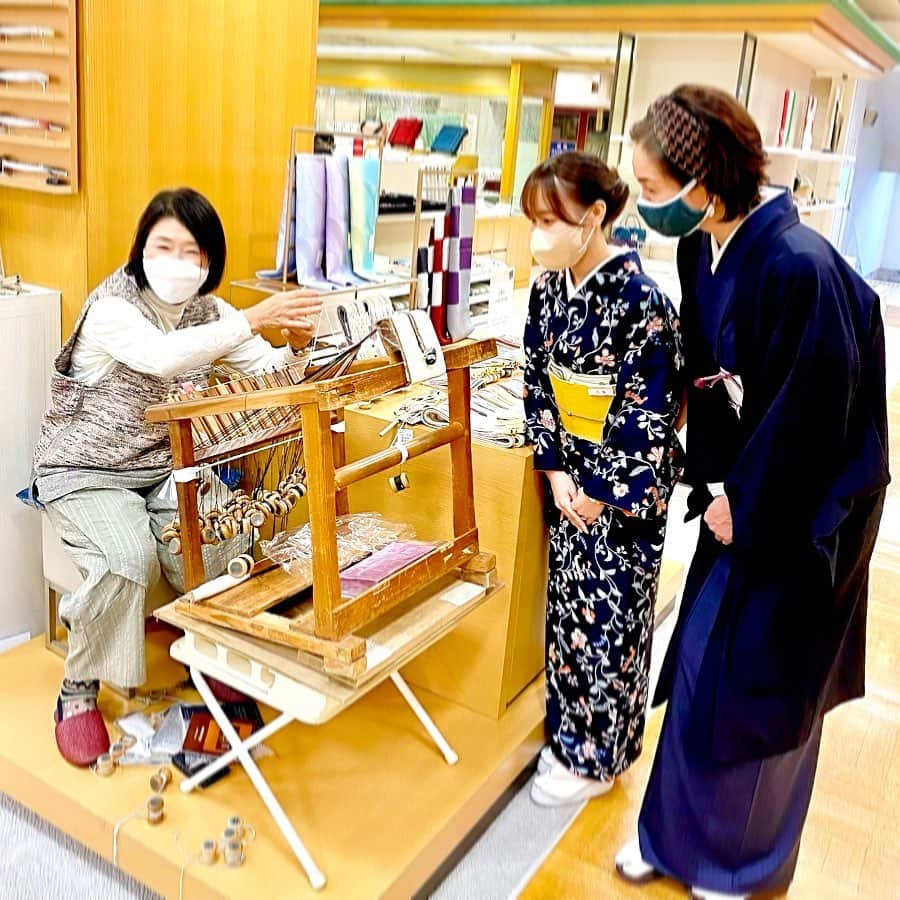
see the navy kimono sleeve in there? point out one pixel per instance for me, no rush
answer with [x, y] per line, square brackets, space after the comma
[799, 412]
[640, 452]
[541, 413]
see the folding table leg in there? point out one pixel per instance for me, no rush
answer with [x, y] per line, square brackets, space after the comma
[231, 755]
[316, 878]
[425, 719]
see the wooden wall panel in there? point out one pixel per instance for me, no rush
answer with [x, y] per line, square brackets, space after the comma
[43, 240]
[200, 94]
[172, 93]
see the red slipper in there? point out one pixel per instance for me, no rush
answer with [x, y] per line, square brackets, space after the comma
[81, 738]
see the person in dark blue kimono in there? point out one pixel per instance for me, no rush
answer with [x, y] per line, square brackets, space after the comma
[787, 458]
[603, 392]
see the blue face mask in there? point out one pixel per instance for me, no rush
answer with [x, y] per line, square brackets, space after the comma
[673, 218]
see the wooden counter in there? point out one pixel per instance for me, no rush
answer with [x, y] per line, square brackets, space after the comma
[496, 651]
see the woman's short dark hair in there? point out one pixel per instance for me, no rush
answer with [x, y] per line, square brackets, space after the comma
[200, 218]
[582, 178]
[735, 158]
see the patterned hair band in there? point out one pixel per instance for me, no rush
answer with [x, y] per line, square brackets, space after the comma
[682, 136]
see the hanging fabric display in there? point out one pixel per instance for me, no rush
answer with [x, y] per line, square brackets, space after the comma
[330, 222]
[310, 221]
[364, 179]
[287, 224]
[338, 267]
[445, 287]
[437, 246]
[459, 269]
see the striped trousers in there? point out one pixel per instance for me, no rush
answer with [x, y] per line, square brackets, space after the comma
[113, 536]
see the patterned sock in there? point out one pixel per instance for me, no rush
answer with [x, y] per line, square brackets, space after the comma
[76, 697]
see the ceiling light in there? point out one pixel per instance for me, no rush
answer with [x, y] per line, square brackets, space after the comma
[520, 51]
[372, 50]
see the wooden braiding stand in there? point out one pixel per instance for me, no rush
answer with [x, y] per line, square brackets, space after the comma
[335, 618]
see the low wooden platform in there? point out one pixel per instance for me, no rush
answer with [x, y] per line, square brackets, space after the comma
[374, 826]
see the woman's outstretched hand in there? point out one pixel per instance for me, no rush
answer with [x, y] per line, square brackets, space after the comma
[293, 312]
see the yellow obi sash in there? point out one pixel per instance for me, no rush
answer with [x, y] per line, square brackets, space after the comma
[583, 400]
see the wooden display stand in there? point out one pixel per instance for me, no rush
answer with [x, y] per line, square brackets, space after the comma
[55, 55]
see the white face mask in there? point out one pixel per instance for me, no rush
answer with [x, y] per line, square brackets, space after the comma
[561, 246]
[174, 280]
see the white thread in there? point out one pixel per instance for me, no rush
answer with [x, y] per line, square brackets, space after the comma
[115, 847]
[188, 473]
[205, 467]
[186, 861]
[404, 454]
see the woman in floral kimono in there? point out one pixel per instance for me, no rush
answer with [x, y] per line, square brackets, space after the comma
[597, 325]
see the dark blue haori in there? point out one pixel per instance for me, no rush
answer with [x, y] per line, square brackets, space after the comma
[771, 631]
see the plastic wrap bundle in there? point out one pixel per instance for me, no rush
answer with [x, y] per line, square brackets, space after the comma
[358, 536]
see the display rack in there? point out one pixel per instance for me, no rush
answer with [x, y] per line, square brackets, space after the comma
[396, 287]
[39, 110]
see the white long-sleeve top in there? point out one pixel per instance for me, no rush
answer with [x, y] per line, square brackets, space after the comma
[115, 330]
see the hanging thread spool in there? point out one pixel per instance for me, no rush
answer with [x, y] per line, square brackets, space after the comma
[240, 565]
[400, 481]
[160, 779]
[156, 809]
[104, 765]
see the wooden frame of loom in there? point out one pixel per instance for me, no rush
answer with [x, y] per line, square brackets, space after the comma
[327, 627]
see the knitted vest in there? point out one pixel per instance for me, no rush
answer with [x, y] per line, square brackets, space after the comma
[101, 426]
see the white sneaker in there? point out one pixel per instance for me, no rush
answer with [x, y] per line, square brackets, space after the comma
[631, 865]
[546, 761]
[560, 787]
[701, 894]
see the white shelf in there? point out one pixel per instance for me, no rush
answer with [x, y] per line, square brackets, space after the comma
[808, 208]
[812, 155]
[407, 218]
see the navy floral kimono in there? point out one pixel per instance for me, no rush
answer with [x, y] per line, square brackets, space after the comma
[602, 585]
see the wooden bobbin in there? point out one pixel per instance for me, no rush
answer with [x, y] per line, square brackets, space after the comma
[156, 809]
[229, 835]
[209, 852]
[160, 779]
[399, 482]
[234, 853]
[104, 765]
[117, 751]
[240, 565]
